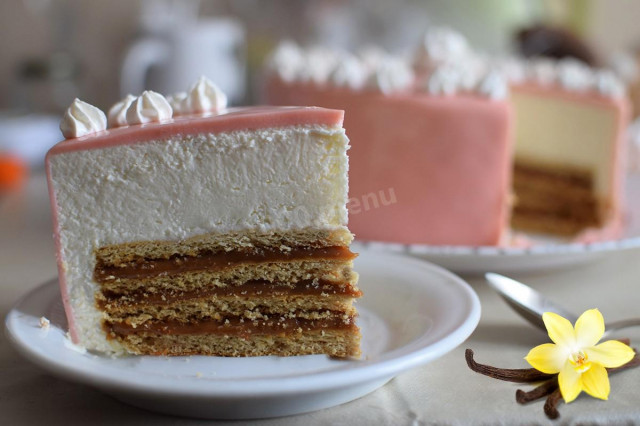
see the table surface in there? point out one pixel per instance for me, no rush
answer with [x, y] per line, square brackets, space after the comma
[444, 391]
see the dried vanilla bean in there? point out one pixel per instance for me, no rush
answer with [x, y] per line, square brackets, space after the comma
[548, 388]
[543, 390]
[551, 405]
[518, 375]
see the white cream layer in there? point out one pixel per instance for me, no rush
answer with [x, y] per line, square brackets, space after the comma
[567, 133]
[271, 179]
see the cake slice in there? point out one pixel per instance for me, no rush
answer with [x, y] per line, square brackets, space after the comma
[204, 230]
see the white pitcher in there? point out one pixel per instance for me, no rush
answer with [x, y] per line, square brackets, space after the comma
[170, 61]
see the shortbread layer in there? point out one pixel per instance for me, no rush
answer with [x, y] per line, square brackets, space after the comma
[338, 343]
[559, 201]
[240, 286]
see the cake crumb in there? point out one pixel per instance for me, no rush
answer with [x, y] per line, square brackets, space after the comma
[44, 323]
[199, 374]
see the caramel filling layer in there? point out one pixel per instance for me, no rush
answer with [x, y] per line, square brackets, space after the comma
[554, 201]
[574, 178]
[146, 268]
[231, 327]
[248, 289]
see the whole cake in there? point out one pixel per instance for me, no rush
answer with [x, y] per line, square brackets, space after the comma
[190, 228]
[450, 147]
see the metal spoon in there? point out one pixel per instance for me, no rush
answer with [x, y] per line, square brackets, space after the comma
[531, 305]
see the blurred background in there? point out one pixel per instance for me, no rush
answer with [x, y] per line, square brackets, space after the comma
[52, 51]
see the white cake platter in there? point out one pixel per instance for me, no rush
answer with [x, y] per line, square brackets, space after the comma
[412, 312]
[549, 254]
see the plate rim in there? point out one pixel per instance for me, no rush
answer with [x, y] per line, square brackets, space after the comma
[539, 250]
[386, 366]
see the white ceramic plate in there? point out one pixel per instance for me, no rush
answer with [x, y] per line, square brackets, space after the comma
[550, 255]
[411, 313]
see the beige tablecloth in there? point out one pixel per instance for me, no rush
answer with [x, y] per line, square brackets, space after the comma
[442, 392]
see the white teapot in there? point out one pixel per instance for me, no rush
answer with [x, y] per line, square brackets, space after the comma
[169, 61]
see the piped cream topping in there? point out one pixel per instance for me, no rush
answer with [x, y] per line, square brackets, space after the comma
[350, 72]
[286, 61]
[177, 102]
[574, 75]
[608, 84]
[118, 113]
[82, 119]
[391, 75]
[372, 68]
[451, 79]
[542, 71]
[444, 81]
[372, 56]
[494, 86]
[441, 45]
[204, 96]
[514, 70]
[454, 68]
[569, 74]
[148, 107]
[318, 63]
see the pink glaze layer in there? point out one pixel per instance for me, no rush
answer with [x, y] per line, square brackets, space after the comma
[247, 118]
[230, 119]
[423, 169]
[614, 204]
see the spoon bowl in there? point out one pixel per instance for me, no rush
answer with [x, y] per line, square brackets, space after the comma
[531, 304]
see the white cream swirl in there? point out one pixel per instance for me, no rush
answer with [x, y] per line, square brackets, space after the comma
[444, 81]
[514, 70]
[117, 115]
[391, 75]
[371, 57]
[350, 72]
[609, 84]
[177, 103]
[148, 107]
[318, 64]
[286, 61]
[441, 45]
[494, 85]
[574, 75]
[82, 119]
[204, 96]
[543, 71]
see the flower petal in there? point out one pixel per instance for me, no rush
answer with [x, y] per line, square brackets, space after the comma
[610, 354]
[595, 382]
[589, 328]
[560, 329]
[569, 382]
[548, 358]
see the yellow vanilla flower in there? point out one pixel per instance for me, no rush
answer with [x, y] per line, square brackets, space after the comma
[576, 356]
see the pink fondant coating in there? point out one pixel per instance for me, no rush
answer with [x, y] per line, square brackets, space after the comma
[227, 120]
[247, 118]
[423, 169]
